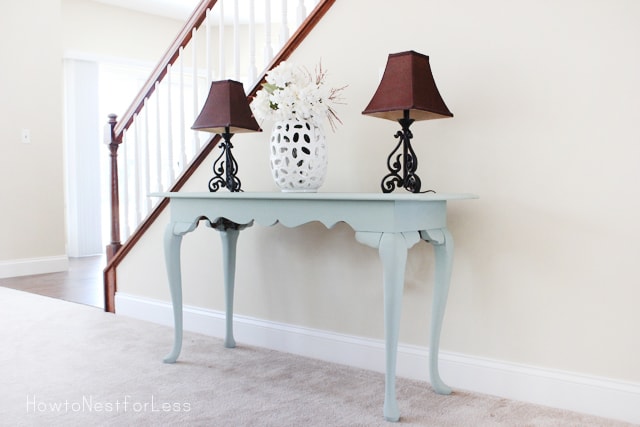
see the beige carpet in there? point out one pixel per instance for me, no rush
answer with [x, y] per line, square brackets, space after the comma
[67, 364]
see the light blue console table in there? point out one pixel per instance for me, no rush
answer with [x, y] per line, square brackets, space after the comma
[392, 223]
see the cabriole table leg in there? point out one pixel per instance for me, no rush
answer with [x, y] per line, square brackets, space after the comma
[393, 248]
[442, 242]
[172, 241]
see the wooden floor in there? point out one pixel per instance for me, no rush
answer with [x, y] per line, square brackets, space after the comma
[82, 283]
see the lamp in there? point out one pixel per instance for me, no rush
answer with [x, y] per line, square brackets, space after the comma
[407, 92]
[226, 112]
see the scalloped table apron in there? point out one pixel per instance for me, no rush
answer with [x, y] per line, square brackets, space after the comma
[392, 223]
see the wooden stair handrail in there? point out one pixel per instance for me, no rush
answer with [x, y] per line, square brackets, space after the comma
[110, 279]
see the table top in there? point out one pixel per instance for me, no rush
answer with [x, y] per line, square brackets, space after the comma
[318, 196]
[375, 212]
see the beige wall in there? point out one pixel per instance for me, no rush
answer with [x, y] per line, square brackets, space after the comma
[115, 33]
[31, 175]
[32, 217]
[545, 96]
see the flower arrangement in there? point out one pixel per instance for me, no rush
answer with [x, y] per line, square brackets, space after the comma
[291, 92]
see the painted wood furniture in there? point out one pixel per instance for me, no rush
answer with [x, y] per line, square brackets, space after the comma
[392, 223]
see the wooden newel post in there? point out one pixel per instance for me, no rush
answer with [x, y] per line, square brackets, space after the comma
[113, 142]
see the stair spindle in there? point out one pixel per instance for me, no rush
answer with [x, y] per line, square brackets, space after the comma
[124, 203]
[284, 28]
[268, 51]
[236, 40]
[253, 70]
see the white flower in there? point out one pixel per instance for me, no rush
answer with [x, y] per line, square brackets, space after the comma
[292, 93]
[285, 74]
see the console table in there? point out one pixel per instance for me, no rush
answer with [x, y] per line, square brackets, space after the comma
[391, 223]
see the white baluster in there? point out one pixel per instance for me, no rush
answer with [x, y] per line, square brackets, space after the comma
[124, 200]
[183, 143]
[196, 136]
[171, 171]
[236, 40]
[158, 153]
[137, 162]
[146, 177]
[302, 12]
[221, 47]
[252, 44]
[268, 51]
[208, 43]
[284, 28]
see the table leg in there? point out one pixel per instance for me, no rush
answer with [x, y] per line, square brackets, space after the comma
[172, 243]
[393, 254]
[443, 245]
[229, 242]
[172, 240]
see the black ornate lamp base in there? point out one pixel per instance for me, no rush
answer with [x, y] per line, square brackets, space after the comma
[225, 168]
[403, 162]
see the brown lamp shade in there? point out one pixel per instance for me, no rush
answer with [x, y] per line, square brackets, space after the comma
[407, 84]
[226, 110]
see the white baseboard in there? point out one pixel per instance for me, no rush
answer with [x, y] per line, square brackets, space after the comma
[559, 389]
[30, 266]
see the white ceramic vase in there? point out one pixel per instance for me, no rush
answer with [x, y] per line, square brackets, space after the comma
[298, 155]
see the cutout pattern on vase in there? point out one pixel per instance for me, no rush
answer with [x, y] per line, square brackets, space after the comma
[298, 155]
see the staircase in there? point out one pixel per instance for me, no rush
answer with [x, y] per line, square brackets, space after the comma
[152, 148]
